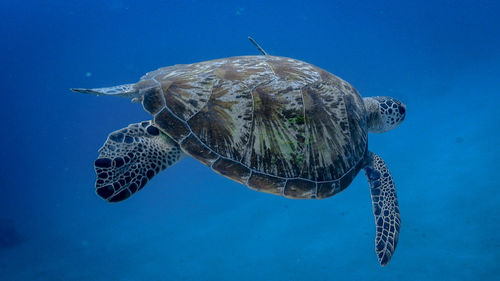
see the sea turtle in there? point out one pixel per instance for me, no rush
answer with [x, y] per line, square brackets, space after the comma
[275, 124]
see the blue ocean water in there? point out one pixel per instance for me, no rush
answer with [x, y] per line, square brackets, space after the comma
[442, 58]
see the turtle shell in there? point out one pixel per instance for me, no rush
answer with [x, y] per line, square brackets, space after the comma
[275, 124]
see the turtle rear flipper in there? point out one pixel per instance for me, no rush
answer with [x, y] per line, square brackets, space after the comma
[385, 208]
[130, 158]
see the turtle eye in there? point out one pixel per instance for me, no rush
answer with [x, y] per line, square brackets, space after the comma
[402, 109]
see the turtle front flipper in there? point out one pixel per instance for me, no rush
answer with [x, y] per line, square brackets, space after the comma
[130, 158]
[385, 207]
[125, 90]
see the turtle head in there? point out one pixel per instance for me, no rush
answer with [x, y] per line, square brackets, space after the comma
[384, 113]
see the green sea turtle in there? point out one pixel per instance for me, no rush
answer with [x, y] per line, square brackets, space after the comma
[275, 124]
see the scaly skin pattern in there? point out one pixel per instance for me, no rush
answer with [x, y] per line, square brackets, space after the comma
[275, 124]
[130, 158]
[385, 208]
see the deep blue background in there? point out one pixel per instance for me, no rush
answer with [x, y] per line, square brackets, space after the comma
[442, 58]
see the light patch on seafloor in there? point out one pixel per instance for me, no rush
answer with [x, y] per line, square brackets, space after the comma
[88, 74]
[117, 6]
[239, 11]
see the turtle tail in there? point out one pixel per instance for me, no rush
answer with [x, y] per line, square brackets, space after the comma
[125, 90]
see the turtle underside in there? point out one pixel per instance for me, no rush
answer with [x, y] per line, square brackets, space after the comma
[277, 125]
